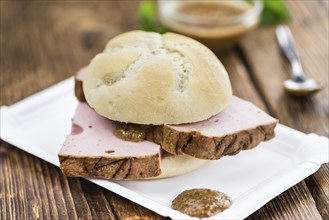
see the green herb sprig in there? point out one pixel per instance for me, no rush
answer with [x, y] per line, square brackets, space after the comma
[148, 17]
[274, 11]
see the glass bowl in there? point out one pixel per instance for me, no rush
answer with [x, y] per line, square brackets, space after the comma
[217, 24]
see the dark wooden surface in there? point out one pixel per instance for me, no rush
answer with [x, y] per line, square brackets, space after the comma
[45, 42]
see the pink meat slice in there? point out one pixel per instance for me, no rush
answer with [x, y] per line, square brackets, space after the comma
[81, 73]
[92, 136]
[239, 115]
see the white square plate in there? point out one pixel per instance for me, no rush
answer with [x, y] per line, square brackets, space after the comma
[39, 124]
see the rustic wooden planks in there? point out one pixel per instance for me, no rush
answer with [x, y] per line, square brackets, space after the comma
[36, 53]
[269, 69]
[45, 42]
[52, 40]
[309, 26]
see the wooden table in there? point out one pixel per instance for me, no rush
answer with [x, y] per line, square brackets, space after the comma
[43, 43]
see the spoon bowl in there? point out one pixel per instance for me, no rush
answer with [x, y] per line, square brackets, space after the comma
[305, 88]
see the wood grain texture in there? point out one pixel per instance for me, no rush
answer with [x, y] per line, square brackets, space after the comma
[309, 26]
[269, 69]
[296, 203]
[49, 41]
[42, 43]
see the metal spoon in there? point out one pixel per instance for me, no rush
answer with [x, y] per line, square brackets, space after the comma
[298, 84]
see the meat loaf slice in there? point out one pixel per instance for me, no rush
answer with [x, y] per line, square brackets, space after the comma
[240, 126]
[86, 151]
[78, 91]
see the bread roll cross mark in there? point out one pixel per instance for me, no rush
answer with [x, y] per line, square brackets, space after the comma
[184, 65]
[109, 80]
[185, 70]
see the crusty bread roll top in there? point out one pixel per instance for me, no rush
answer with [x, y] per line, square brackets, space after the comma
[148, 78]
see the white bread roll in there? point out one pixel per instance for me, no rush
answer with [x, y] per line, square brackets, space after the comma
[177, 165]
[148, 78]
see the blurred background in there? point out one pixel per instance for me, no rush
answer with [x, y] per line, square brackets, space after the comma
[53, 39]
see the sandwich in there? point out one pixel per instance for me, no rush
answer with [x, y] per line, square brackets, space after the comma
[157, 106]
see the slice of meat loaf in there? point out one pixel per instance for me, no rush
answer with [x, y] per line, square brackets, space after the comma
[78, 91]
[92, 150]
[240, 126]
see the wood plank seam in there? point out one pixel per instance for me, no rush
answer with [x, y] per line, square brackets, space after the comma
[74, 185]
[110, 205]
[254, 80]
[323, 6]
[320, 204]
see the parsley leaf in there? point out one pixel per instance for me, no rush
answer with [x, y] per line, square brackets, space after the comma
[148, 17]
[274, 11]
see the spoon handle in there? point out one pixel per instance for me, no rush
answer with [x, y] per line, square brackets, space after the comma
[285, 40]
